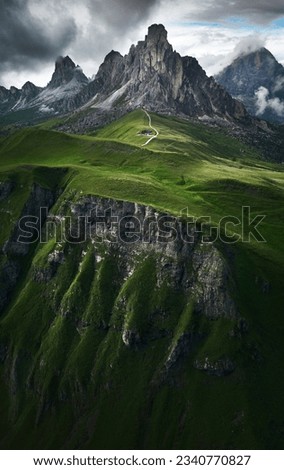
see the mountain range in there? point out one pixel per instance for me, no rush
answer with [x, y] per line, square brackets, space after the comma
[155, 76]
[152, 74]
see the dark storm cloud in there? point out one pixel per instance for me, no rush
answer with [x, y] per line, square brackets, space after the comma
[111, 24]
[35, 32]
[26, 40]
[258, 11]
[121, 15]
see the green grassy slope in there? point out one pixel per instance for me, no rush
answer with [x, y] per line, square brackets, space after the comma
[83, 381]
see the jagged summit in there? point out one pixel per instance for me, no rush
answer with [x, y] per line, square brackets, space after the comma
[259, 59]
[64, 62]
[156, 33]
[112, 55]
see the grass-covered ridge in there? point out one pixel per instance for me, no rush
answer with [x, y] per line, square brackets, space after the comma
[189, 165]
[67, 364]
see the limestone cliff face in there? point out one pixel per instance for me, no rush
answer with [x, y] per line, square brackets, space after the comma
[181, 261]
[141, 244]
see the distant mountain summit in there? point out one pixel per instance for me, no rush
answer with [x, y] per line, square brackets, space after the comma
[56, 98]
[15, 99]
[257, 79]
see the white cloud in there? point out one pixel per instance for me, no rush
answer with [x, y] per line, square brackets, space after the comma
[249, 44]
[264, 102]
[45, 109]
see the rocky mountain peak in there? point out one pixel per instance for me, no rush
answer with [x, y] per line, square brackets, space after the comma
[28, 85]
[3, 90]
[14, 90]
[156, 33]
[64, 63]
[29, 90]
[65, 71]
[257, 59]
[113, 56]
[151, 75]
[154, 76]
[263, 53]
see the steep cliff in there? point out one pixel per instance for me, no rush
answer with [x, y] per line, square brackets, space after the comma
[125, 318]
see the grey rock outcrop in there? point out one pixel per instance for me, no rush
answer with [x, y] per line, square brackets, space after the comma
[131, 338]
[46, 273]
[211, 274]
[178, 351]
[184, 261]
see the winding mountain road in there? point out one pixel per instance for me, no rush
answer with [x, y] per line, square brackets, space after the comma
[151, 127]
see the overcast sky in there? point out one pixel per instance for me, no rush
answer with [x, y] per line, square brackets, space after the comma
[33, 33]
